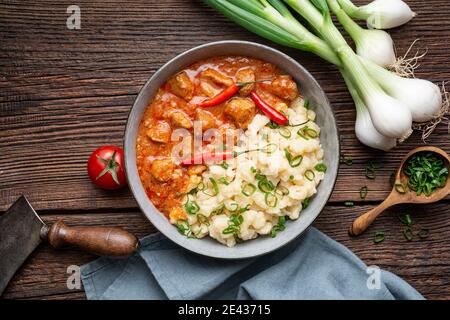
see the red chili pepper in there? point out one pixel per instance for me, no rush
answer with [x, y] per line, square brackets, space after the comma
[221, 97]
[268, 110]
[208, 157]
[227, 93]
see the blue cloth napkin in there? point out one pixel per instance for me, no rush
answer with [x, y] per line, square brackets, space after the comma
[311, 267]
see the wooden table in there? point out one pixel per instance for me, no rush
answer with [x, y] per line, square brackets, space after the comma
[65, 92]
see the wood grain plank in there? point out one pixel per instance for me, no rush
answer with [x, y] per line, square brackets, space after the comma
[64, 92]
[425, 264]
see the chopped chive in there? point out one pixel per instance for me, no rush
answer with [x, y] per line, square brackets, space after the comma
[379, 237]
[280, 226]
[370, 173]
[293, 162]
[191, 207]
[224, 165]
[233, 207]
[224, 181]
[218, 210]
[306, 202]
[243, 209]
[349, 203]
[285, 132]
[306, 104]
[273, 125]
[363, 192]
[265, 185]
[284, 191]
[321, 167]
[423, 233]
[307, 132]
[215, 188]
[270, 199]
[426, 172]
[346, 160]
[248, 189]
[406, 220]
[407, 233]
[309, 174]
[291, 177]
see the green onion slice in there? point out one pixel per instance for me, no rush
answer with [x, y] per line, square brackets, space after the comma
[224, 165]
[233, 207]
[321, 167]
[293, 162]
[282, 190]
[202, 219]
[349, 203]
[379, 237]
[285, 132]
[363, 192]
[306, 202]
[191, 207]
[307, 132]
[248, 189]
[215, 188]
[218, 210]
[224, 181]
[423, 233]
[309, 174]
[265, 185]
[271, 200]
[273, 125]
[407, 233]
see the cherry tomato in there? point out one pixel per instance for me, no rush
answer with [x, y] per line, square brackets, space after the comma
[106, 168]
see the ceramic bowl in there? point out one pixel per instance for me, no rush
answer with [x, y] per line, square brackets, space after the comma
[329, 139]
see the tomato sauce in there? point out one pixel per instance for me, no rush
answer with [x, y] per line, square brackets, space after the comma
[175, 106]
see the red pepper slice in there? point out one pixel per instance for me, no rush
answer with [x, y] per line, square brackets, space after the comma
[268, 110]
[226, 94]
[221, 97]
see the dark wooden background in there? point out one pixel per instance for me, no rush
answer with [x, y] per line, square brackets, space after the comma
[65, 92]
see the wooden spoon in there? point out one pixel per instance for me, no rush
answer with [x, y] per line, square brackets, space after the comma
[362, 222]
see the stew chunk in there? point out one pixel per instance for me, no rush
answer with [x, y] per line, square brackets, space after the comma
[162, 169]
[159, 132]
[182, 86]
[217, 77]
[241, 111]
[284, 87]
[180, 119]
[206, 118]
[246, 75]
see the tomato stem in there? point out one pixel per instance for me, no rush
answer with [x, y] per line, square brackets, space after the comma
[111, 166]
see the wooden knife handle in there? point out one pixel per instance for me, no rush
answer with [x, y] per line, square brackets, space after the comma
[103, 241]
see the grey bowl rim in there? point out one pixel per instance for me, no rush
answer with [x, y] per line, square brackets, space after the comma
[169, 229]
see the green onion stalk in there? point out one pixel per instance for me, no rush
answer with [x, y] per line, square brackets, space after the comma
[390, 117]
[271, 19]
[423, 98]
[275, 23]
[380, 14]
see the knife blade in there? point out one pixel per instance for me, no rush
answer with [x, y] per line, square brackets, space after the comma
[22, 230]
[20, 234]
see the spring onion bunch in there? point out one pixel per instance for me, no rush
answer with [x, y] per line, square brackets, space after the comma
[386, 104]
[380, 14]
[371, 44]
